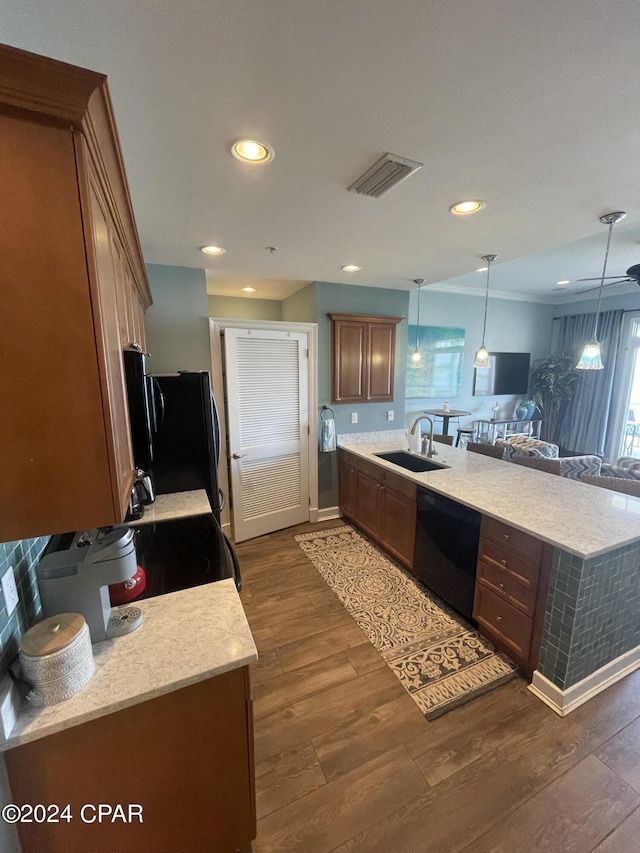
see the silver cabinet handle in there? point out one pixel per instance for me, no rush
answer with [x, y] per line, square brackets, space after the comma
[239, 455]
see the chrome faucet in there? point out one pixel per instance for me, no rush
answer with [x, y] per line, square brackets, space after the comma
[428, 449]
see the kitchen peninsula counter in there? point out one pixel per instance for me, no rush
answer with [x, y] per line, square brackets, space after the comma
[583, 520]
[185, 637]
[590, 637]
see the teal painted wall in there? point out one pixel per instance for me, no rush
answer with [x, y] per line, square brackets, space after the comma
[238, 308]
[512, 326]
[178, 320]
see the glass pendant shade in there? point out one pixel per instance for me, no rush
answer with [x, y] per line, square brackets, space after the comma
[416, 358]
[590, 358]
[482, 357]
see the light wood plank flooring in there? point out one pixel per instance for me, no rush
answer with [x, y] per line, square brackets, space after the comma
[346, 762]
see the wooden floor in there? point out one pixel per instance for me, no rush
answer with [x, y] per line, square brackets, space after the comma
[346, 762]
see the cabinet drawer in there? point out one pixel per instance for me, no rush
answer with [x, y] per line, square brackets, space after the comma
[517, 567]
[347, 458]
[515, 540]
[503, 621]
[505, 587]
[400, 484]
[371, 469]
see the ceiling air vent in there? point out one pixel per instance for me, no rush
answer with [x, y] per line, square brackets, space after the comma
[384, 175]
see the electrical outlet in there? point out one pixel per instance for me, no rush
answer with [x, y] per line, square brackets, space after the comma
[391, 415]
[354, 417]
[9, 706]
[9, 591]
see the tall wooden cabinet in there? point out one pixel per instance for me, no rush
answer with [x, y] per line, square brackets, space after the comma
[74, 293]
[364, 350]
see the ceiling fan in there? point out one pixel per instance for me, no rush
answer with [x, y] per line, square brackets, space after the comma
[632, 274]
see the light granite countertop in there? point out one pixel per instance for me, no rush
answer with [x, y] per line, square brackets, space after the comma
[175, 505]
[581, 519]
[185, 637]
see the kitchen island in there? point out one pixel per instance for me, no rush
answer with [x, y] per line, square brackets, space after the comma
[591, 633]
[165, 724]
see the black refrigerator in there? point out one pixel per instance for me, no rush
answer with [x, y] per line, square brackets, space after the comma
[186, 446]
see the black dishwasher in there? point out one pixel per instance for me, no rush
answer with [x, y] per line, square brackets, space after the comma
[447, 535]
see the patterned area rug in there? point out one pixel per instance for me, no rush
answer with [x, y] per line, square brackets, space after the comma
[439, 659]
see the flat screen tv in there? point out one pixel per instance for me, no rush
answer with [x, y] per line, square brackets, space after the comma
[508, 374]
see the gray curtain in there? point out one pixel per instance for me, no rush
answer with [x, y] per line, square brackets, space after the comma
[583, 426]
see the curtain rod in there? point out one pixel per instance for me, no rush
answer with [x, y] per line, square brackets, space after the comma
[624, 311]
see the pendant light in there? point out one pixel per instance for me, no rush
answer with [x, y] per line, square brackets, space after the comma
[416, 358]
[590, 358]
[482, 356]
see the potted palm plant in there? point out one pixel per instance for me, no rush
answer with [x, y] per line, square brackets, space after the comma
[552, 381]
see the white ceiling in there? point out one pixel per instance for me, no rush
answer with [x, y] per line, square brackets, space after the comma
[530, 106]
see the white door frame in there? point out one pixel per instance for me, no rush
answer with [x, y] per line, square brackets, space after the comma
[217, 325]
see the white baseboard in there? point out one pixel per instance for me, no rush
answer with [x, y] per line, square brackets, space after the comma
[326, 513]
[563, 702]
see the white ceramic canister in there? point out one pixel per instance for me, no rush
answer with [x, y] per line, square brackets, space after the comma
[56, 658]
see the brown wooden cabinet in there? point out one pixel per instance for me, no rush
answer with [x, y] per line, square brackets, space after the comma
[363, 358]
[381, 503]
[512, 583]
[185, 757]
[74, 293]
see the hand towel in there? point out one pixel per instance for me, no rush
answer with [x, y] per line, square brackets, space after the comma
[328, 436]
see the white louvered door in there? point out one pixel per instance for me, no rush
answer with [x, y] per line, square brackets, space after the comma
[268, 412]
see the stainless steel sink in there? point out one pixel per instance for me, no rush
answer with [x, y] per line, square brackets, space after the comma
[410, 461]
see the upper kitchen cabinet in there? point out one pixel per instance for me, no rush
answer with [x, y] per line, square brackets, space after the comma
[363, 358]
[74, 293]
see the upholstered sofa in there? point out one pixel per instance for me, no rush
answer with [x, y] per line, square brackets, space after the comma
[522, 445]
[626, 467]
[543, 456]
[573, 467]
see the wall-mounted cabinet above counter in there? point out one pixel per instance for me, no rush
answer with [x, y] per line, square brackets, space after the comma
[74, 295]
[363, 351]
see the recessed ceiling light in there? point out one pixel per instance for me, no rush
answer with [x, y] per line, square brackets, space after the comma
[213, 250]
[249, 289]
[567, 281]
[252, 151]
[482, 269]
[463, 208]
[351, 268]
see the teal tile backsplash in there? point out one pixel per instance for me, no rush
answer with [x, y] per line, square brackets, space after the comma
[22, 556]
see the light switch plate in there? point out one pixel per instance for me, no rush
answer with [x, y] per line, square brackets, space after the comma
[9, 591]
[390, 415]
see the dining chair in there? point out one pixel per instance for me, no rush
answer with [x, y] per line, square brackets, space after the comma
[485, 449]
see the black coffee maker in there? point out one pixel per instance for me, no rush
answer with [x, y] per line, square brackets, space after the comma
[142, 494]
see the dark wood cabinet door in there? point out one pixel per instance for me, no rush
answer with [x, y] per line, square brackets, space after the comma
[347, 475]
[369, 504]
[381, 349]
[349, 359]
[186, 757]
[398, 525]
[363, 358]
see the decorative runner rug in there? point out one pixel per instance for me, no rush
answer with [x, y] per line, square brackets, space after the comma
[438, 658]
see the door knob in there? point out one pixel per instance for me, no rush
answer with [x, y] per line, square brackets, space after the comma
[239, 455]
